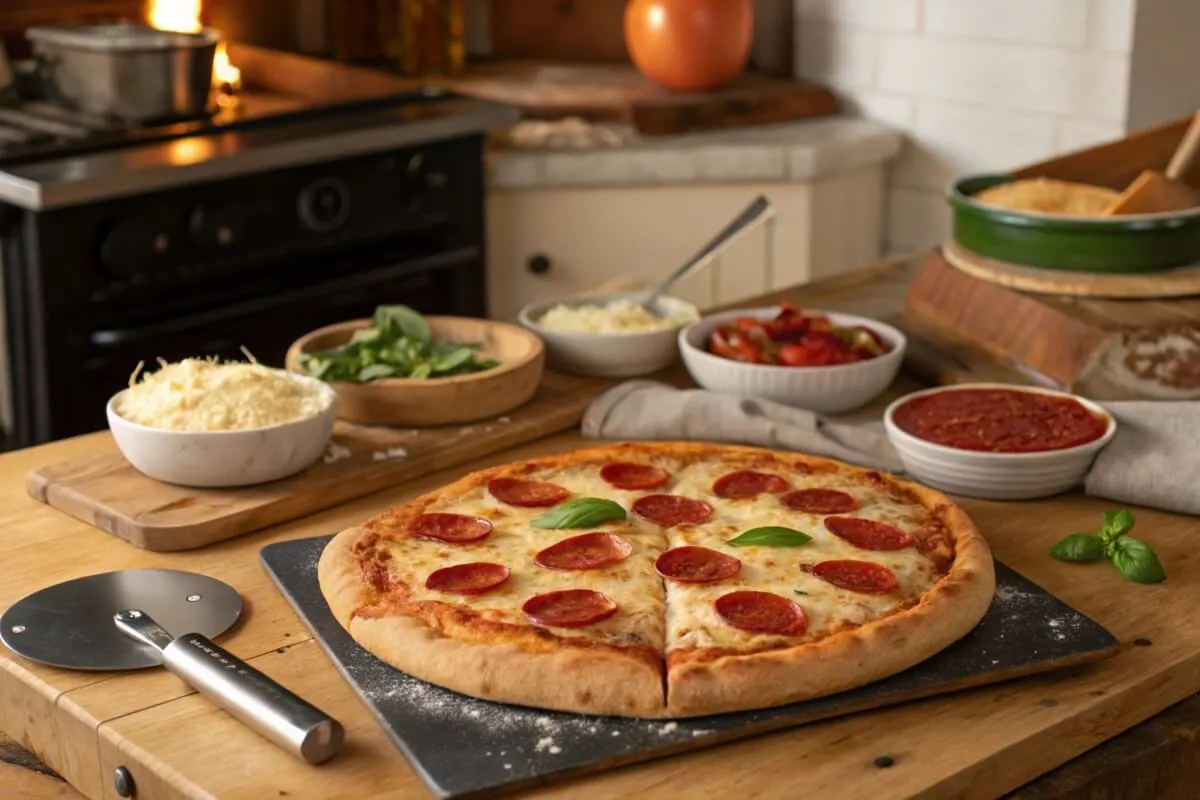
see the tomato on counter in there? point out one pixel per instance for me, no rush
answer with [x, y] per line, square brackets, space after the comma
[795, 339]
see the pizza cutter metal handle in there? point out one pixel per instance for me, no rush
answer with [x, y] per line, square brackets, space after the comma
[259, 702]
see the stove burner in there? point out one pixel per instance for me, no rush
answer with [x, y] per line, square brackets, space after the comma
[32, 130]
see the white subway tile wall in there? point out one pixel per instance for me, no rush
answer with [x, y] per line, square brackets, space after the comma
[978, 85]
[1112, 25]
[1074, 83]
[948, 139]
[1062, 23]
[837, 57]
[891, 15]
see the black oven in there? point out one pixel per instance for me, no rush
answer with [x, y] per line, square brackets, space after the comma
[253, 262]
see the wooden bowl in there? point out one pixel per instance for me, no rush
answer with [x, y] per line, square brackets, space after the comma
[437, 401]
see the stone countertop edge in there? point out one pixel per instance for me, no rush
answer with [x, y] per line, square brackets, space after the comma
[802, 151]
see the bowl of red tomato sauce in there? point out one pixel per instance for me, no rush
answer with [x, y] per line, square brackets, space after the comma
[824, 361]
[998, 441]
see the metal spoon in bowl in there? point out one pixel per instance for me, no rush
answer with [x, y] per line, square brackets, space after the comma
[759, 210]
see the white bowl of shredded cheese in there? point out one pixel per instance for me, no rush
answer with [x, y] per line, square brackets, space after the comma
[609, 335]
[202, 423]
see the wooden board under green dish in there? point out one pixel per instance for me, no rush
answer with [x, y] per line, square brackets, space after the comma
[1135, 243]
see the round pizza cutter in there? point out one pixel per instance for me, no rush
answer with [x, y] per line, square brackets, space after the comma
[133, 619]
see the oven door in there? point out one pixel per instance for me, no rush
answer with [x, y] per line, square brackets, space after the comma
[264, 325]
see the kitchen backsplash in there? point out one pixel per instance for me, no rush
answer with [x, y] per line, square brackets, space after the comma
[991, 84]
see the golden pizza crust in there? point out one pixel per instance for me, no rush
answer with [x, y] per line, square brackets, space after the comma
[533, 667]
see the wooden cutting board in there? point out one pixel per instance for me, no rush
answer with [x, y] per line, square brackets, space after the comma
[105, 491]
[1103, 348]
[619, 93]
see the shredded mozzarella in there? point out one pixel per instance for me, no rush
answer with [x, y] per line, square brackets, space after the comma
[205, 395]
[618, 316]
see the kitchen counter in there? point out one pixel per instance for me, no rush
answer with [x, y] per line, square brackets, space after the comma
[177, 744]
[561, 155]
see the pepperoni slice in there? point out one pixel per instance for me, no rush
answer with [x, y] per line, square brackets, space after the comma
[857, 576]
[867, 534]
[669, 510]
[762, 612]
[569, 608]
[476, 577]
[747, 484]
[585, 551]
[529, 494]
[820, 501]
[454, 528]
[691, 564]
[632, 476]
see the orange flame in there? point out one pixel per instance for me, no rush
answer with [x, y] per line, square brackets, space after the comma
[183, 16]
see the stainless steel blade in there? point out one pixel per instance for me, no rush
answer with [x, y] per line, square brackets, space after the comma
[70, 624]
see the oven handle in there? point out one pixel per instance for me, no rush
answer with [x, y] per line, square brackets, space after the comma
[123, 336]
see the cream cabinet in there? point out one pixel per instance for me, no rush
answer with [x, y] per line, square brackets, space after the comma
[546, 243]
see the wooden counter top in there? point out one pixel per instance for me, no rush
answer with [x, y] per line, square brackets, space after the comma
[980, 743]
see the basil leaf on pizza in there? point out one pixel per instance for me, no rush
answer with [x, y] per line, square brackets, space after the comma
[770, 536]
[580, 512]
[1079, 547]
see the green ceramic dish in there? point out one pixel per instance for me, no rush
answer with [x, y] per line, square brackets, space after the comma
[1134, 243]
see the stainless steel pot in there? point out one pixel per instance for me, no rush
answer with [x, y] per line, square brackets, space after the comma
[129, 72]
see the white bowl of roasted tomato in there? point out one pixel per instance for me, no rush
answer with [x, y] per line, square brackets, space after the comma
[824, 361]
[998, 441]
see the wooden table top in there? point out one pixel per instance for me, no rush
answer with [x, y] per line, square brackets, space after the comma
[176, 744]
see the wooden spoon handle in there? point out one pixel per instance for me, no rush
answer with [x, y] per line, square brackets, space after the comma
[1186, 151]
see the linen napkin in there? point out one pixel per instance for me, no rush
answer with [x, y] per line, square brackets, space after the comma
[1153, 461]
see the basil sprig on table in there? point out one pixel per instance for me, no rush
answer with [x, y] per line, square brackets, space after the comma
[580, 512]
[399, 344]
[770, 536]
[1132, 558]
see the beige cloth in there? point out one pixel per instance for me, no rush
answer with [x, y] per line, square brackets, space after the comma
[1154, 460]
[650, 410]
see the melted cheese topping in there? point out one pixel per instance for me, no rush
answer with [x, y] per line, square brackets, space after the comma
[205, 395]
[667, 614]
[692, 620]
[631, 583]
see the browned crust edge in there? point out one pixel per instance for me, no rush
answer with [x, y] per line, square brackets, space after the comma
[605, 680]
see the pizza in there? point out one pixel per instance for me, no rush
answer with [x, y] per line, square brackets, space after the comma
[665, 579]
